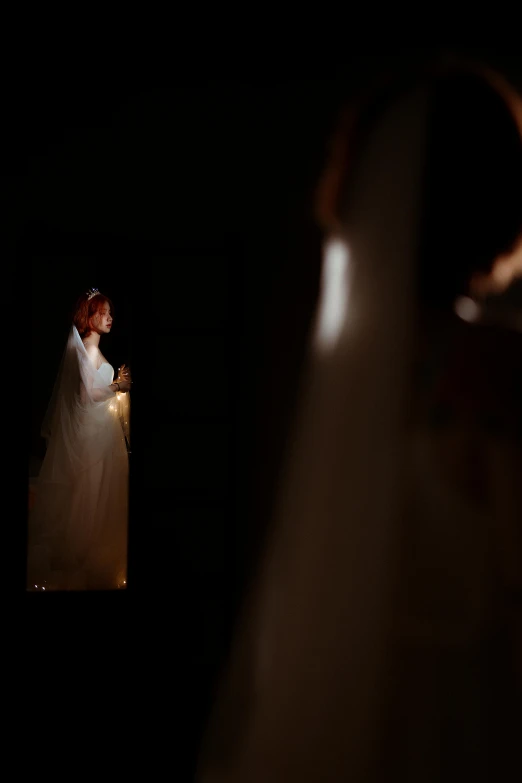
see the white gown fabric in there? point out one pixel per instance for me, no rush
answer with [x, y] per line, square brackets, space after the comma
[77, 532]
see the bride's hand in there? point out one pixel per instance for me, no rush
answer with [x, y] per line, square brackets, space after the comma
[125, 386]
[124, 374]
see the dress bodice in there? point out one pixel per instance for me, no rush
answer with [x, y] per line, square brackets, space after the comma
[106, 373]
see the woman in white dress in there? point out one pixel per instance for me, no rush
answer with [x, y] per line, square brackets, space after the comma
[77, 532]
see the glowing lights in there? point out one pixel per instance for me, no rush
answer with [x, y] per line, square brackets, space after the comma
[335, 290]
[506, 269]
[467, 309]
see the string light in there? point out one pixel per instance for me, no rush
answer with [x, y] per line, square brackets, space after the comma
[467, 309]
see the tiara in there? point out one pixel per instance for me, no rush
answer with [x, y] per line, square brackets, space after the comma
[91, 292]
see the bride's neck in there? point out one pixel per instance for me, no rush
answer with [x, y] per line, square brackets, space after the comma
[92, 339]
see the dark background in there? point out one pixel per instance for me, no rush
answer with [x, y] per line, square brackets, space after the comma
[189, 203]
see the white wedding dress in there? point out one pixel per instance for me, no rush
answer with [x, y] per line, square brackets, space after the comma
[77, 531]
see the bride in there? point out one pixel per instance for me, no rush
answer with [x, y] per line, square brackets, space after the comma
[77, 528]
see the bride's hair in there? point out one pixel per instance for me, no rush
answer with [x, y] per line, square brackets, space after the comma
[471, 194]
[472, 189]
[86, 307]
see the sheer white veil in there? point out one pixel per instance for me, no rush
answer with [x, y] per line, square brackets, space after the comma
[75, 421]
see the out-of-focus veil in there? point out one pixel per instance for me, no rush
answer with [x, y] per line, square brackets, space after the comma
[302, 694]
[328, 565]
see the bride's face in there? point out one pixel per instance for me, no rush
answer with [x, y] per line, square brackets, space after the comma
[102, 320]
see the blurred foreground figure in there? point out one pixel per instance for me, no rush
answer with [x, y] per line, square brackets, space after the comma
[379, 641]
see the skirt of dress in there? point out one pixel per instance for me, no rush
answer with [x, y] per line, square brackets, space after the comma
[77, 530]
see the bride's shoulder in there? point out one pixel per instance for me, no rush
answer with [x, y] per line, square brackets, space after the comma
[94, 354]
